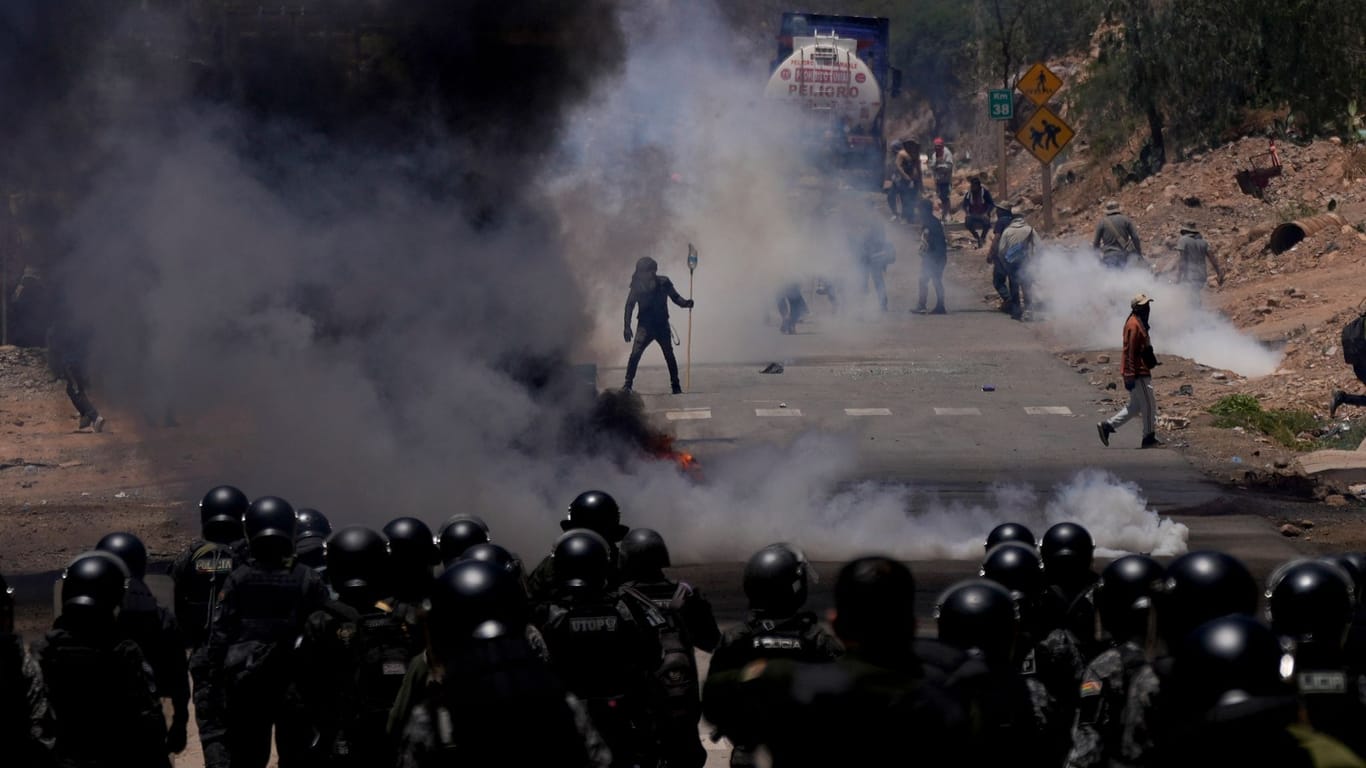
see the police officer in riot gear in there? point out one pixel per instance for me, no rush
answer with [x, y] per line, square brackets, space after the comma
[603, 645]
[412, 558]
[1201, 586]
[261, 614]
[155, 631]
[776, 580]
[311, 533]
[1125, 595]
[1310, 602]
[495, 702]
[689, 624]
[198, 574]
[1067, 550]
[108, 712]
[27, 727]
[1014, 715]
[1009, 532]
[353, 655]
[596, 511]
[878, 697]
[459, 534]
[499, 557]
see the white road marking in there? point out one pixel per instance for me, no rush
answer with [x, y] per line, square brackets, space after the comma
[867, 411]
[1048, 410]
[688, 414]
[777, 412]
[957, 412]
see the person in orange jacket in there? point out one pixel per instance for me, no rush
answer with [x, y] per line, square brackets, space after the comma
[1137, 369]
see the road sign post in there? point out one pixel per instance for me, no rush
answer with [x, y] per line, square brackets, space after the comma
[1044, 134]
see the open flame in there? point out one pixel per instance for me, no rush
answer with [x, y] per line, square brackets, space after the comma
[661, 446]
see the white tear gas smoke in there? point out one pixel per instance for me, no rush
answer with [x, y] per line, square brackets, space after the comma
[1087, 302]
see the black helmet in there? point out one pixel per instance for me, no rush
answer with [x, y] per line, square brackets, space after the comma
[596, 511]
[978, 615]
[1016, 567]
[474, 600]
[459, 534]
[129, 549]
[6, 607]
[583, 560]
[1310, 601]
[1125, 594]
[1354, 563]
[476, 519]
[220, 514]
[94, 583]
[492, 553]
[1202, 586]
[355, 558]
[643, 554]
[270, 525]
[311, 522]
[1009, 532]
[412, 555]
[875, 606]
[1067, 549]
[776, 579]
[1225, 662]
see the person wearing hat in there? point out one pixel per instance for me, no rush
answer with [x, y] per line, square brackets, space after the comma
[906, 184]
[977, 207]
[941, 167]
[1014, 250]
[1136, 366]
[1116, 237]
[1195, 253]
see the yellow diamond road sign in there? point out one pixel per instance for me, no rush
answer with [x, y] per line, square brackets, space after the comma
[1045, 134]
[1039, 84]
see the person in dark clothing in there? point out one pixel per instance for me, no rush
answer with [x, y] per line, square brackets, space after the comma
[1000, 274]
[68, 348]
[198, 575]
[977, 207]
[27, 728]
[260, 614]
[155, 631]
[876, 705]
[934, 256]
[99, 684]
[791, 307]
[1341, 398]
[874, 254]
[1068, 552]
[652, 293]
[596, 511]
[30, 310]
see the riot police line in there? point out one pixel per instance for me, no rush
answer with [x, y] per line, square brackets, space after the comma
[346, 650]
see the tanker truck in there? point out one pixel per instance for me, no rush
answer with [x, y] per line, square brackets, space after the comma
[833, 71]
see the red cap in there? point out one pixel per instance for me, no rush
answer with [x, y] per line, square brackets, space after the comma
[938, 142]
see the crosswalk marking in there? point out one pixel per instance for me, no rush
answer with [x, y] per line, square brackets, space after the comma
[867, 411]
[688, 415]
[957, 412]
[777, 412]
[1048, 410]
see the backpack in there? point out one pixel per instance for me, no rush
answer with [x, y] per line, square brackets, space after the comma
[1354, 340]
[1017, 252]
[256, 665]
[377, 643]
[197, 588]
[676, 690]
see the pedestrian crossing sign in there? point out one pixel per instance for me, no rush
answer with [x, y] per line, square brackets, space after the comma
[1039, 84]
[1045, 135]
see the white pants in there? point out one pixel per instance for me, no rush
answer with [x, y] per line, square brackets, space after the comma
[1141, 399]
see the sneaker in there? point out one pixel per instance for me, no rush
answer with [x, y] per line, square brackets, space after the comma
[677, 390]
[1338, 397]
[1151, 441]
[626, 387]
[1105, 431]
[84, 422]
[920, 310]
[98, 424]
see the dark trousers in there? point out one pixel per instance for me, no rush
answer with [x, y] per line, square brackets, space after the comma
[942, 189]
[1356, 400]
[875, 274]
[1000, 280]
[76, 384]
[212, 733]
[905, 193]
[1115, 259]
[645, 335]
[249, 726]
[979, 226]
[931, 271]
[1019, 289]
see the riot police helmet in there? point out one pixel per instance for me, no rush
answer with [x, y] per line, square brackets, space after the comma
[476, 519]
[1067, 550]
[643, 554]
[1310, 601]
[355, 557]
[311, 522]
[776, 579]
[1228, 661]
[1015, 566]
[1009, 532]
[6, 607]
[129, 549]
[411, 541]
[583, 560]
[474, 600]
[94, 584]
[1125, 594]
[1354, 563]
[1202, 586]
[597, 511]
[875, 607]
[499, 556]
[978, 616]
[458, 535]
[220, 514]
[270, 525]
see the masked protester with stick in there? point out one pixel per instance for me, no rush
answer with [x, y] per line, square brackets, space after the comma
[652, 293]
